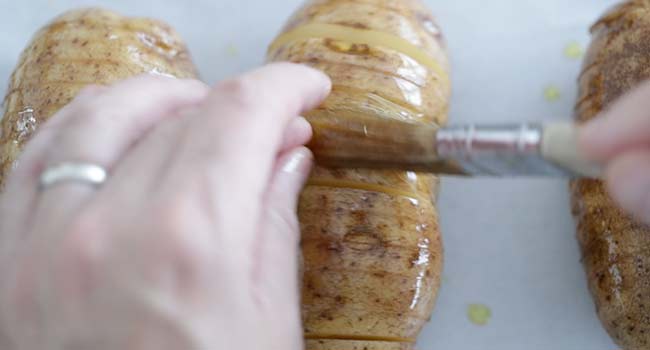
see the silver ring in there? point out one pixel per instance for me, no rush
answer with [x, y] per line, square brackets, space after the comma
[85, 173]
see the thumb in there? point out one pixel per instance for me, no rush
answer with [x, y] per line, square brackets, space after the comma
[276, 267]
[289, 177]
[628, 181]
[280, 234]
[622, 127]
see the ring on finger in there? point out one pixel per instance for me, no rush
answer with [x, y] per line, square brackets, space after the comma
[75, 172]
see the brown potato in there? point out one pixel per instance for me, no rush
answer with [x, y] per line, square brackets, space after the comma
[370, 239]
[79, 48]
[330, 344]
[615, 248]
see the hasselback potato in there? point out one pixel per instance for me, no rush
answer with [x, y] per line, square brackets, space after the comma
[79, 48]
[370, 239]
[615, 248]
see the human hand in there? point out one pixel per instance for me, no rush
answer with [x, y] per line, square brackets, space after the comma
[620, 138]
[191, 243]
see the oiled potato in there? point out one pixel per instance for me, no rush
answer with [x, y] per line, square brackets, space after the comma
[370, 239]
[79, 48]
[331, 344]
[615, 248]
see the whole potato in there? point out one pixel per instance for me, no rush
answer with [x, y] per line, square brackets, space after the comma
[80, 48]
[615, 248]
[370, 239]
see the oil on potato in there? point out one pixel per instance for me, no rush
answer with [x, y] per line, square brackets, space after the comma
[370, 239]
[615, 248]
[80, 48]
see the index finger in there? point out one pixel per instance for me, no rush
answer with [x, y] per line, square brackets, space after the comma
[242, 123]
[256, 108]
[624, 126]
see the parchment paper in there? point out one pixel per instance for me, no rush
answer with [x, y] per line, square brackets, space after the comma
[509, 245]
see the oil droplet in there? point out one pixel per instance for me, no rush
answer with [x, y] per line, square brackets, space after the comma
[157, 44]
[147, 39]
[424, 254]
[340, 45]
[431, 27]
[616, 275]
[479, 314]
[232, 50]
[552, 93]
[422, 262]
[157, 71]
[573, 50]
[412, 176]
[26, 124]
[611, 246]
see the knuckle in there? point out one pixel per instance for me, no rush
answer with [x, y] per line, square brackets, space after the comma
[80, 240]
[84, 112]
[170, 216]
[86, 115]
[178, 232]
[85, 223]
[185, 256]
[242, 92]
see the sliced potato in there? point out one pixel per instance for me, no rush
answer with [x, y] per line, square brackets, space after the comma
[370, 239]
[80, 48]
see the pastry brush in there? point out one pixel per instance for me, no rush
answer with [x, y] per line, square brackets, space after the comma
[507, 150]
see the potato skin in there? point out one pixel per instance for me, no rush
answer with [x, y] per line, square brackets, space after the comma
[79, 48]
[329, 344]
[370, 239]
[615, 248]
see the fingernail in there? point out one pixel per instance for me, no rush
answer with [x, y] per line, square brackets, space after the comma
[326, 82]
[298, 162]
[301, 126]
[326, 79]
[328, 85]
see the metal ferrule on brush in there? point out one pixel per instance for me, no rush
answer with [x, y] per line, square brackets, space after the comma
[497, 150]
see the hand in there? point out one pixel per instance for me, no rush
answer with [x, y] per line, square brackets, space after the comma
[192, 242]
[620, 138]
